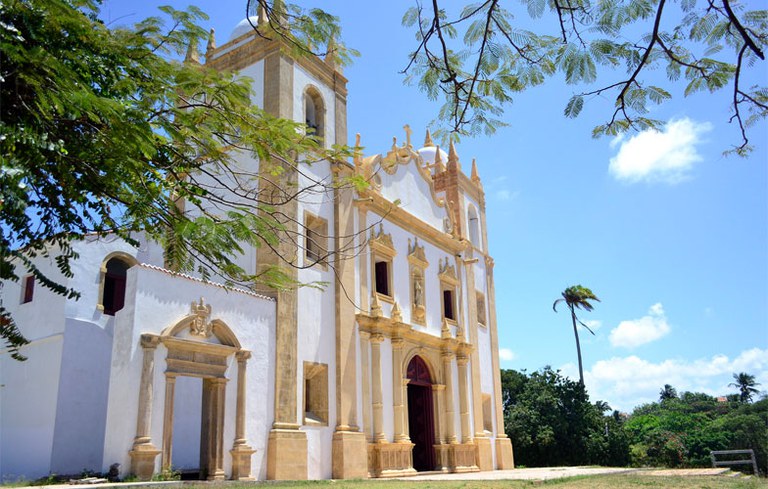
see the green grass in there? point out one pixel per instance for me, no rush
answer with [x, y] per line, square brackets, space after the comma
[622, 481]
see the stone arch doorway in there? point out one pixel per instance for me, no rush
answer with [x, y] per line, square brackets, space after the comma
[421, 414]
[200, 348]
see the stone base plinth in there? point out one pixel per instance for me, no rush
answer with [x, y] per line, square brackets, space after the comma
[350, 455]
[484, 453]
[143, 458]
[241, 462]
[504, 457]
[462, 457]
[287, 455]
[390, 459]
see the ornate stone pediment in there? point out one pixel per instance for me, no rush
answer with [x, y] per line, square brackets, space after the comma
[446, 271]
[381, 241]
[201, 325]
[416, 254]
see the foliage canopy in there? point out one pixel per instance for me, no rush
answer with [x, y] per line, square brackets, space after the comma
[106, 131]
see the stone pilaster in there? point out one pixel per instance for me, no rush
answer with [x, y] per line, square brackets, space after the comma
[241, 452]
[397, 390]
[450, 430]
[143, 453]
[504, 455]
[376, 392]
[466, 431]
[170, 389]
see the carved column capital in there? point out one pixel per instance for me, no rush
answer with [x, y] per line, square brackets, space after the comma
[397, 342]
[243, 356]
[149, 341]
[462, 360]
[377, 338]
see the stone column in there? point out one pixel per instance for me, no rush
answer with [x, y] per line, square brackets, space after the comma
[170, 389]
[450, 430]
[366, 373]
[349, 447]
[466, 431]
[397, 390]
[216, 453]
[378, 420]
[143, 452]
[441, 448]
[241, 452]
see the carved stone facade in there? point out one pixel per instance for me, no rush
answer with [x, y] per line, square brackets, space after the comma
[390, 369]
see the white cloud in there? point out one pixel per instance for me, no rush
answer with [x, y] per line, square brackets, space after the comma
[659, 156]
[506, 354]
[626, 382]
[636, 332]
[593, 324]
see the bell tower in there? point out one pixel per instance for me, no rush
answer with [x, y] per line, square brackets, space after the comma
[310, 90]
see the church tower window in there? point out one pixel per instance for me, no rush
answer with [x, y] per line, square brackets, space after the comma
[473, 226]
[316, 238]
[314, 113]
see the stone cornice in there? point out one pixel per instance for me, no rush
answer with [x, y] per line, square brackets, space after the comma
[386, 327]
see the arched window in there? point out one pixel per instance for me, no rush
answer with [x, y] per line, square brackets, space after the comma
[473, 226]
[314, 112]
[113, 279]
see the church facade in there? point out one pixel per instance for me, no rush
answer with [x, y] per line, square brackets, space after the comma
[390, 369]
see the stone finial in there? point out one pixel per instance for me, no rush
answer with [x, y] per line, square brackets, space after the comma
[475, 176]
[428, 140]
[397, 315]
[375, 306]
[439, 166]
[357, 155]
[263, 18]
[453, 158]
[211, 47]
[192, 55]
[445, 332]
[332, 55]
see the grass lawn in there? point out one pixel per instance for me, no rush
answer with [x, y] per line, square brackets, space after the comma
[622, 481]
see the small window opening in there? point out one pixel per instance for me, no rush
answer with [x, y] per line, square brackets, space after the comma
[114, 286]
[382, 277]
[315, 393]
[316, 244]
[29, 289]
[448, 304]
[487, 413]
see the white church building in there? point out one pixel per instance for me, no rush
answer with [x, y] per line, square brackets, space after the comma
[389, 370]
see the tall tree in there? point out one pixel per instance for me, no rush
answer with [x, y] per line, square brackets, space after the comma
[577, 297]
[746, 384]
[667, 392]
[106, 130]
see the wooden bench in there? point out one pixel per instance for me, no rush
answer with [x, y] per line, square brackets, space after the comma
[739, 461]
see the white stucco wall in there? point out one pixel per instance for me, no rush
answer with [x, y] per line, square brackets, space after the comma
[156, 300]
[414, 193]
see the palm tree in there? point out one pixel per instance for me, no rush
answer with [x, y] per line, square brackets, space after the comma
[577, 297]
[668, 392]
[746, 384]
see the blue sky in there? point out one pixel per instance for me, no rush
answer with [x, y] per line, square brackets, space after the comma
[671, 235]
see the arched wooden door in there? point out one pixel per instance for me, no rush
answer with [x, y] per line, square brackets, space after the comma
[420, 415]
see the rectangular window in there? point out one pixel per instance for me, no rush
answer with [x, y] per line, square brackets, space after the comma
[381, 272]
[448, 312]
[29, 289]
[481, 316]
[316, 238]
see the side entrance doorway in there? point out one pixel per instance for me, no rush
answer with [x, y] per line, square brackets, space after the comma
[421, 415]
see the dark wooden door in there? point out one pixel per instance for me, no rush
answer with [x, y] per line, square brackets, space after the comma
[421, 424]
